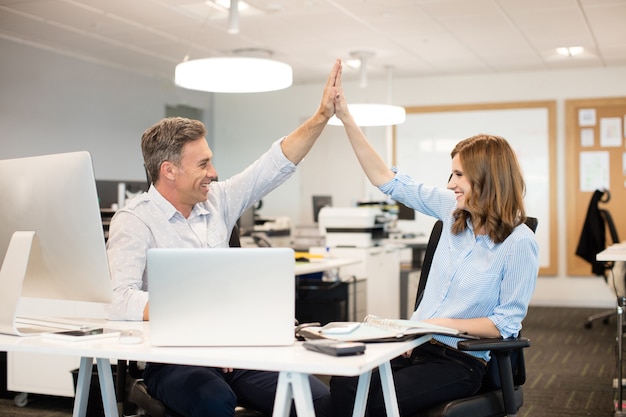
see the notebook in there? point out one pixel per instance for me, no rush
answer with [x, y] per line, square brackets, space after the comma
[221, 296]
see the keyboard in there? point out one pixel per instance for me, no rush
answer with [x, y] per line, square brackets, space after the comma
[34, 326]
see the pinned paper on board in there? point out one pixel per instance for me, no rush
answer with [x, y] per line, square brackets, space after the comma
[594, 170]
[587, 117]
[587, 137]
[610, 131]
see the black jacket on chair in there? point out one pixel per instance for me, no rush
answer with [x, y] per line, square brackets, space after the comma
[593, 236]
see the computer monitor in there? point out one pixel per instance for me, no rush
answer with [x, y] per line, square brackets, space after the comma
[55, 197]
[246, 222]
[320, 201]
[404, 212]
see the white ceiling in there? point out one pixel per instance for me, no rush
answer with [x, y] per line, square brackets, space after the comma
[414, 37]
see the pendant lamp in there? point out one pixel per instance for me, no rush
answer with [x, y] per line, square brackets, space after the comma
[234, 74]
[247, 71]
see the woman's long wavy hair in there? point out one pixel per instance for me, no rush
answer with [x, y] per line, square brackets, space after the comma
[496, 200]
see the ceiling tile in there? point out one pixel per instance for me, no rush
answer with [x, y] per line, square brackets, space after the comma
[415, 37]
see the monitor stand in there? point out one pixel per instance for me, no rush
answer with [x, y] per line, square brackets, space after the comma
[23, 251]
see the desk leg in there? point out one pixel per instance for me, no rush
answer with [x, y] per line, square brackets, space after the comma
[82, 387]
[389, 390]
[362, 391]
[83, 383]
[620, 329]
[293, 386]
[107, 390]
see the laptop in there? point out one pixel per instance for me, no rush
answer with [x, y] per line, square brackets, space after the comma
[221, 296]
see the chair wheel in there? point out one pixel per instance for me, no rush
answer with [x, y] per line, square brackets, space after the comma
[605, 321]
[588, 325]
[21, 399]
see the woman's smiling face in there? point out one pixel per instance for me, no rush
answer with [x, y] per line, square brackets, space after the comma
[459, 183]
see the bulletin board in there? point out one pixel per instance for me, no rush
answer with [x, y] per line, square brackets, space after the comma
[596, 159]
[422, 147]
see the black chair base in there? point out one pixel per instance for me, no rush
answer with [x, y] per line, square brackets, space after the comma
[485, 405]
[604, 316]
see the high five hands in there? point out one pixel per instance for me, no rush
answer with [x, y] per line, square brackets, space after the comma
[334, 101]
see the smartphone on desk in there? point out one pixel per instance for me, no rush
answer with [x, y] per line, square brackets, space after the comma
[335, 347]
[81, 334]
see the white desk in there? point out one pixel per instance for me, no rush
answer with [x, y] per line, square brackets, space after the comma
[24, 376]
[617, 252]
[294, 364]
[322, 264]
[417, 244]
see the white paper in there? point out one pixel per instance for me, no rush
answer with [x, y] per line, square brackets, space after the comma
[587, 117]
[594, 170]
[610, 131]
[587, 137]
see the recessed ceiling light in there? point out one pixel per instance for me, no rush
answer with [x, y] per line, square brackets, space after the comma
[570, 50]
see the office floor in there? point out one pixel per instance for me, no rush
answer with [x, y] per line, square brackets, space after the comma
[37, 406]
[569, 368]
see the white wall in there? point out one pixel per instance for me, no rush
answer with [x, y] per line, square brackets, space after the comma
[52, 103]
[330, 167]
[246, 125]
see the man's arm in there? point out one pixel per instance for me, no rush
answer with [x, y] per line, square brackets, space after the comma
[298, 143]
[127, 259]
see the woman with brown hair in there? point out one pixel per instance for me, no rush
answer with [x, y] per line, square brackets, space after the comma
[483, 272]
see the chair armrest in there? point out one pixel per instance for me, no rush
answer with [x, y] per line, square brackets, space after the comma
[502, 350]
[494, 344]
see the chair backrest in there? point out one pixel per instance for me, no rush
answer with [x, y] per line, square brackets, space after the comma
[532, 223]
[492, 376]
[608, 219]
[433, 240]
[234, 238]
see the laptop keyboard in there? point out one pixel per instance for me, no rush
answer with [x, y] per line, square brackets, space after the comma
[34, 326]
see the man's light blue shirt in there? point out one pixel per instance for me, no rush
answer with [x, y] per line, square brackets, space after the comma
[150, 221]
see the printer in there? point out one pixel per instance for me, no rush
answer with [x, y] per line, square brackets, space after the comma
[352, 226]
[275, 231]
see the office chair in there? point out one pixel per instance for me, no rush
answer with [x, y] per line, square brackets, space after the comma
[501, 391]
[136, 391]
[608, 269]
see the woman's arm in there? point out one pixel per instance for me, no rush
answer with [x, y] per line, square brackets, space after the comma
[481, 326]
[373, 165]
